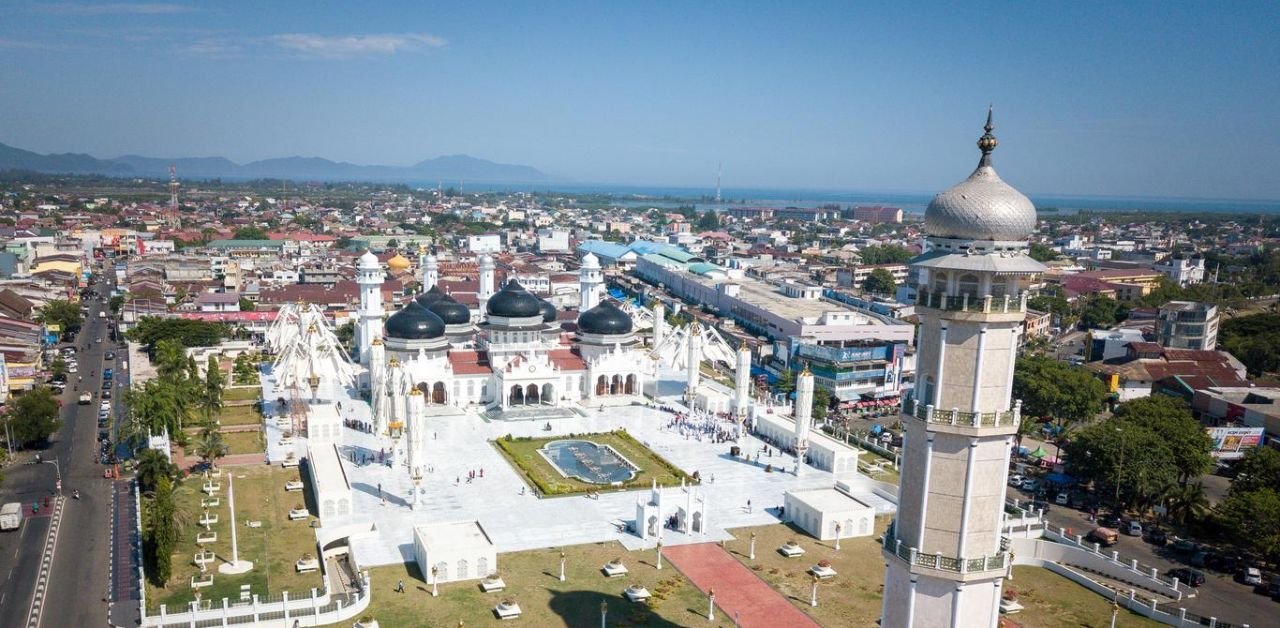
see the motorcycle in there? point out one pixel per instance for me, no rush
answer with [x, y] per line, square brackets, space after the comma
[75, 494]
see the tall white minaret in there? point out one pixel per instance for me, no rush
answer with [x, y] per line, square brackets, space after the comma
[369, 276]
[590, 279]
[378, 401]
[804, 415]
[486, 282]
[415, 431]
[944, 564]
[742, 383]
[659, 323]
[430, 272]
[694, 365]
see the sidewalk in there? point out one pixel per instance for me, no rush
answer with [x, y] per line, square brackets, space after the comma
[740, 593]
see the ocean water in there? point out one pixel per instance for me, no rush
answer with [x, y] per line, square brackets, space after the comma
[659, 196]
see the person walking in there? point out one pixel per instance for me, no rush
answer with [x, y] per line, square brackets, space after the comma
[400, 587]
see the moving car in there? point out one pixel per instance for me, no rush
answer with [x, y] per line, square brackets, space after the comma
[1105, 537]
[11, 516]
[1189, 576]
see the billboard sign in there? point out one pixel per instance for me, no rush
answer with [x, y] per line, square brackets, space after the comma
[1230, 443]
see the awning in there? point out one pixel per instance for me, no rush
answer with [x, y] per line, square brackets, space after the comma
[1060, 479]
[1038, 453]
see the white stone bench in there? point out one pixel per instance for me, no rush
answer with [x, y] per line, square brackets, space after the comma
[253, 524]
[615, 571]
[1009, 607]
[791, 551]
[207, 537]
[199, 582]
[307, 565]
[289, 462]
[636, 593]
[489, 585]
[822, 572]
[296, 514]
[293, 486]
[507, 611]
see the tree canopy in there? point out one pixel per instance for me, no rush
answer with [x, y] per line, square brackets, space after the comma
[1101, 312]
[879, 281]
[1043, 252]
[33, 416]
[1052, 388]
[1255, 340]
[150, 330]
[250, 233]
[63, 313]
[885, 254]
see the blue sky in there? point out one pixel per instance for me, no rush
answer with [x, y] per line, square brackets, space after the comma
[1091, 98]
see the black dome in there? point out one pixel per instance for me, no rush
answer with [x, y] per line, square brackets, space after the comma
[414, 322]
[450, 311]
[548, 311]
[513, 301]
[430, 297]
[605, 319]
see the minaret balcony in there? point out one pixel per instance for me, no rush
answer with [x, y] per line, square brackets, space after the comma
[940, 565]
[988, 304]
[1006, 419]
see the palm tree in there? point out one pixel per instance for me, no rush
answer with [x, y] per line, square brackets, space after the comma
[1186, 502]
[211, 446]
[1028, 425]
[153, 465]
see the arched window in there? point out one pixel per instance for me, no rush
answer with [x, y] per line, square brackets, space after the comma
[602, 386]
[968, 284]
[999, 286]
[940, 282]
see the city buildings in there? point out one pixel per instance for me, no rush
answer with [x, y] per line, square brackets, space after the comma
[1188, 325]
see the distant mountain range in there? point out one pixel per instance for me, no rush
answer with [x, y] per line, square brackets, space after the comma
[448, 169]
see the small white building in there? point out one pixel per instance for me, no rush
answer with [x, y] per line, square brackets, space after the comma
[459, 550]
[817, 511]
[329, 480]
[824, 452]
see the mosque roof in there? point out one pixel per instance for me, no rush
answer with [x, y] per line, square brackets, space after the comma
[983, 206]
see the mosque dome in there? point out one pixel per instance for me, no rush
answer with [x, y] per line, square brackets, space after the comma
[450, 311]
[604, 319]
[982, 207]
[548, 311]
[513, 301]
[414, 322]
[430, 297]
[369, 260]
[398, 262]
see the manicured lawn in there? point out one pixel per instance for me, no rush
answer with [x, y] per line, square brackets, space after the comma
[523, 454]
[239, 415]
[853, 597]
[242, 394]
[244, 442]
[273, 548]
[532, 580]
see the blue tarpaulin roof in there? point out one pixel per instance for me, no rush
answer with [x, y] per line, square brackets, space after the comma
[1060, 478]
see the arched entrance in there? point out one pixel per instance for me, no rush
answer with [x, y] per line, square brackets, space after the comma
[531, 395]
[517, 396]
[697, 522]
[615, 386]
[631, 384]
[438, 393]
[548, 394]
[602, 386]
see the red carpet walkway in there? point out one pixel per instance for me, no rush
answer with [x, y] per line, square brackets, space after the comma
[738, 589]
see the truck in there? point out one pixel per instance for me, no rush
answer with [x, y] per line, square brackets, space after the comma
[86, 398]
[11, 516]
[102, 314]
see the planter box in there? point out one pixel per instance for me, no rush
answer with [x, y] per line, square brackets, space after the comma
[296, 514]
[305, 566]
[489, 586]
[791, 551]
[210, 502]
[253, 524]
[1009, 607]
[614, 571]
[636, 593]
[507, 611]
[822, 572]
[209, 520]
[205, 558]
[291, 462]
[207, 537]
[198, 582]
[211, 487]
[293, 486]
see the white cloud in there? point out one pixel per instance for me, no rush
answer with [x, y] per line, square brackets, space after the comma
[342, 46]
[113, 8]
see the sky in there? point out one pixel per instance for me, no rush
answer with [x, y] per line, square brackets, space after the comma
[1165, 99]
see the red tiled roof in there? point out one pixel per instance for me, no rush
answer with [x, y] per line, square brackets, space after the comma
[470, 362]
[567, 360]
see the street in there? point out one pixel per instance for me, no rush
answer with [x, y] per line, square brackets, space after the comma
[78, 578]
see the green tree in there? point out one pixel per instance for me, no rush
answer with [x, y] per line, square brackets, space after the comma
[161, 532]
[1186, 503]
[786, 382]
[885, 254]
[708, 221]
[1101, 312]
[250, 233]
[152, 465]
[63, 313]
[247, 306]
[821, 402]
[33, 417]
[211, 446]
[151, 330]
[1259, 469]
[1171, 421]
[879, 281]
[211, 392]
[1042, 252]
[170, 360]
[1133, 464]
[1051, 388]
[1253, 517]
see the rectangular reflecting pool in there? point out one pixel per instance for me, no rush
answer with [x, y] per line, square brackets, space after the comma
[588, 461]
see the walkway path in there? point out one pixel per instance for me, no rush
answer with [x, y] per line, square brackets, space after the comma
[739, 592]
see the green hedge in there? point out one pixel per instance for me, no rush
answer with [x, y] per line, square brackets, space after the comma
[521, 451]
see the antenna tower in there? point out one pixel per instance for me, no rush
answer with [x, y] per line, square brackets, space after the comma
[173, 187]
[719, 169]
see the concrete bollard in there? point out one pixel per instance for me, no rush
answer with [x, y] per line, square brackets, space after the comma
[1133, 564]
[1115, 556]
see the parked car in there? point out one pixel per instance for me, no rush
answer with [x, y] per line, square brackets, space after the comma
[1110, 521]
[1030, 485]
[1062, 499]
[1185, 546]
[1251, 576]
[1189, 576]
[1199, 559]
[110, 355]
[1273, 588]
[1132, 528]
[1157, 537]
[1016, 480]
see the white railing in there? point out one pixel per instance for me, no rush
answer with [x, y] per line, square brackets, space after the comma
[317, 609]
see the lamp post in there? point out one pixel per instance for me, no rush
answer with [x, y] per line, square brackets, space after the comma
[838, 536]
[711, 604]
[561, 565]
[604, 612]
[57, 470]
[813, 595]
[435, 572]
[1115, 609]
[752, 553]
[659, 553]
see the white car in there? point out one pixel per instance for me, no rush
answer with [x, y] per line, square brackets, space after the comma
[1062, 499]
[106, 405]
[1252, 576]
[1016, 480]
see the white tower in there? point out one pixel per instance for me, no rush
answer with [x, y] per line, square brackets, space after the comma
[590, 280]
[943, 555]
[486, 281]
[694, 363]
[659, 323]
[369, 276]
[804, 415]
[415, 431]
[430, 272]
[742, 383]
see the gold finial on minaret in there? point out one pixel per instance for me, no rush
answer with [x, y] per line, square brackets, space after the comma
[805, 372]
[987, 142]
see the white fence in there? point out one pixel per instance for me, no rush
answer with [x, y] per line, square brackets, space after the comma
[317, 609]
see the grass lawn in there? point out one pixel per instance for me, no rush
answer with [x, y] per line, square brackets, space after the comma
[854, 596]
[532, 580]
[244, 442]
[239, 415]
[251, 393]
[523, 454]
[273, 548]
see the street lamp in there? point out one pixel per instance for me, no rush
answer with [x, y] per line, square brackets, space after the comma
[752, 554]
[813, 596]
[659, 553]
[711, 604]
[561, 565]
[837, 536]
[435, 572]
[604, 612]
[58, 472]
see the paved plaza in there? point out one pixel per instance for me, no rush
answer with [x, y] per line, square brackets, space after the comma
[515, 519]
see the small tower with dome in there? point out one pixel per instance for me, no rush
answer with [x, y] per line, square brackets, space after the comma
[369, 276]
[944, 561]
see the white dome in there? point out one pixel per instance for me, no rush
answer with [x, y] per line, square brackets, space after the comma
[369, 260]
[590, 260]
[982, 207]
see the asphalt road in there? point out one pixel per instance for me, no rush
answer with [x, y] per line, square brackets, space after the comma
[20, 551]
[1220, 596]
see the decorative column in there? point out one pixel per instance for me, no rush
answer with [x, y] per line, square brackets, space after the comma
[694, 359]
[236, 565]
[742, 383]
[415, 445]
[486, 282]
[369, 276]
[430, 272]
[803, 415]
[659, 323]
